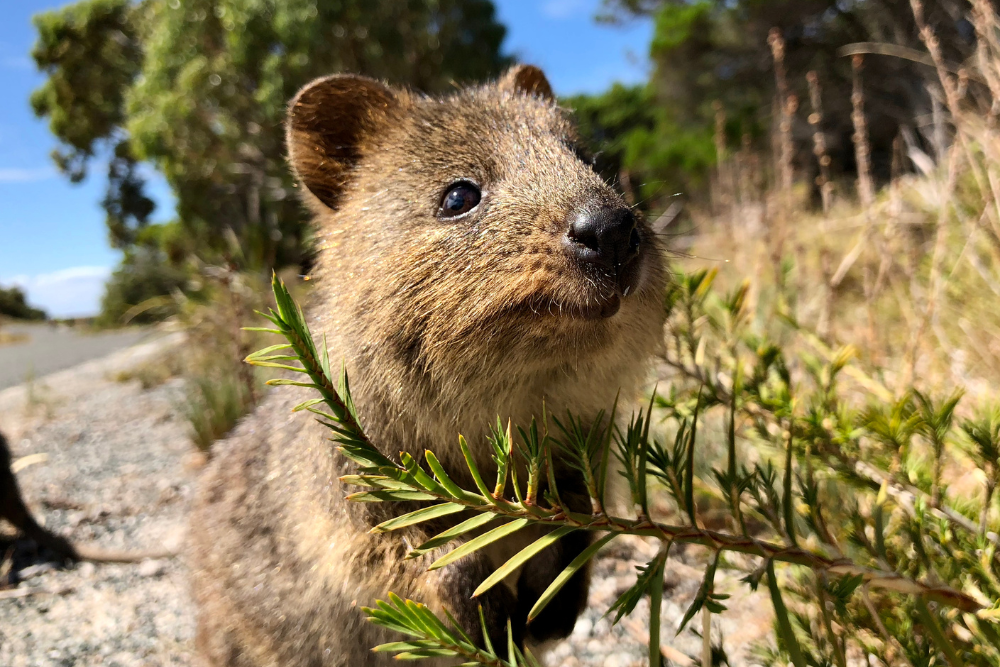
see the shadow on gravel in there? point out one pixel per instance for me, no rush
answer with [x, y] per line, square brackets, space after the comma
[21, 559]
[39, 548]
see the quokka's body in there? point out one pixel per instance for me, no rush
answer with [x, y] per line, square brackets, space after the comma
[471, 266]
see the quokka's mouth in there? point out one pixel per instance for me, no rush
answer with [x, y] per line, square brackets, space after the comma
[597, 296]
[609, 292]
[594, 308]
[599, 309]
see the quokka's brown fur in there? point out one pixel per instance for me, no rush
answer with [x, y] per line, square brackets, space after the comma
[444, 324]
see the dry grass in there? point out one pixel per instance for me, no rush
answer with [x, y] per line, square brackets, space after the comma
[7, 338]
[220, 387]
[910, 275]
[154, 372]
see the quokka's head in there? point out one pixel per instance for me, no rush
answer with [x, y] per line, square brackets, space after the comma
[467, 230]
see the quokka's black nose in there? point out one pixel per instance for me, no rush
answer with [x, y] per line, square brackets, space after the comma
[608, 236]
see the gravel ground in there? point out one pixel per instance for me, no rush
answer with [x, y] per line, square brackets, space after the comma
[596, 642]
[119, 471]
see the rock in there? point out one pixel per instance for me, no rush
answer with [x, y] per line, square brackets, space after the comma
[194, 461]
[618, 660]
[151, 568]
[582, 628]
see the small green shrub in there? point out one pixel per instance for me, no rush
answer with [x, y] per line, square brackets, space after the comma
[220, 387]
[214, 405]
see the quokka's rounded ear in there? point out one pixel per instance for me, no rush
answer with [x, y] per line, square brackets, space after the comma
[328, 122]
[526, 79]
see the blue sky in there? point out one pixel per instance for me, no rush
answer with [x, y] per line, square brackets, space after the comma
[53, 241]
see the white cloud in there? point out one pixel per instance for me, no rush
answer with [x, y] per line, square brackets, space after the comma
[15, 175]
[564, 9]
[73, 292]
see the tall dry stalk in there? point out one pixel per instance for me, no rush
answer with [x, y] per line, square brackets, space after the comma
[933, 47]
[865, 185]
[786, 108]
[988, 57]
[965, 138]
[819, 142]
[746, 185]
[862, 147]
[953, 89]
[720, 134]
[726, 188]
[985, 21]
[826, 195]
[937, 276]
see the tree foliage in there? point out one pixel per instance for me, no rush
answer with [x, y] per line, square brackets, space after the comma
[636, 142]
[140, 289]
[706, 52]
[197, 89]
[13, 304]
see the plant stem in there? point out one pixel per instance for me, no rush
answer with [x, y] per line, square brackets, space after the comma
[655, 608]
[706, 637]
[717, 541]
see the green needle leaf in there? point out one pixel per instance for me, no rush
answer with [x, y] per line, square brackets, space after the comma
[479, 542]
[473, 468]
[425, 480]
[404, 646]
[521, 558]
[305, 405]
[268, 350]
[466, 526]
[511, 655]
[282, 382]
[704, 593]
[450, 486]
[582, 559]
[427, 653]
[384, 496]
[419, 516]
[937, 635]
[486, 632]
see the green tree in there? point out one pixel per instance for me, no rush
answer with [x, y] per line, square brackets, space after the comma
[141, 289]
[91, 53]
[13, 304]
[197, 89]
[635, 141]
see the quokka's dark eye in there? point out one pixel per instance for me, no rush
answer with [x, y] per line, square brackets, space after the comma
[460, 198]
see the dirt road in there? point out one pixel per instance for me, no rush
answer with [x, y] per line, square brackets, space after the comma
[51, 348]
